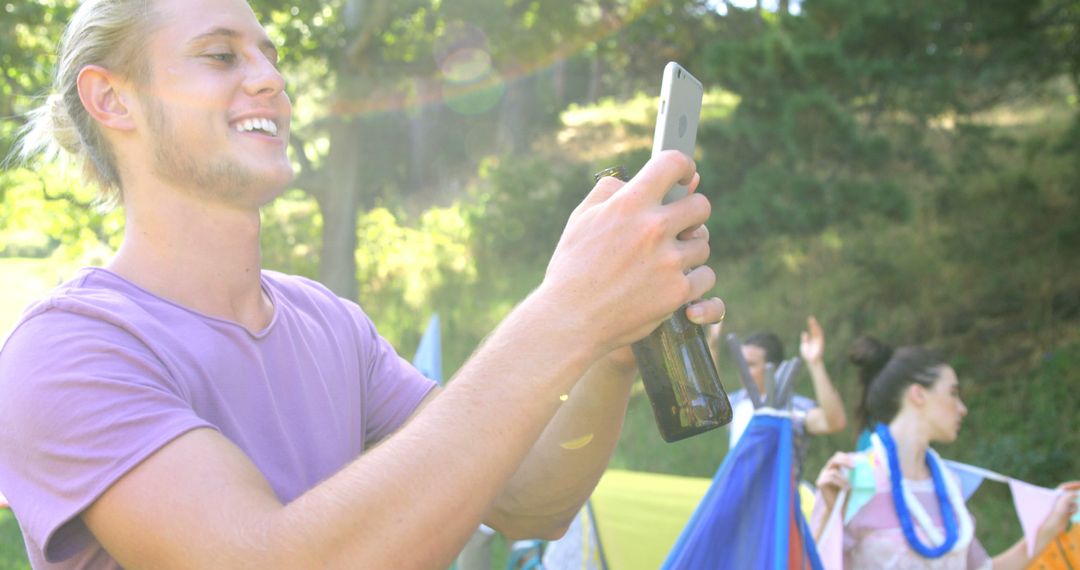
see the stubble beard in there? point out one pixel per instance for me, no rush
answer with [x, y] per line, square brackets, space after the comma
[221, 179]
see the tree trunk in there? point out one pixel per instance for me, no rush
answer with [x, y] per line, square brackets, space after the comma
[421, 134]
[340, 206]
[592, 95]
[339, 202]
[515, 115]
[558, 83]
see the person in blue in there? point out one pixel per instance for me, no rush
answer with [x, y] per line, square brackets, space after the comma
[822, 415]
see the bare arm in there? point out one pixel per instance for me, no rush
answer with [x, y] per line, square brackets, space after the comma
[564, 466]
[562, 469]
[199, 502]
[1056, 522]
[829, 416]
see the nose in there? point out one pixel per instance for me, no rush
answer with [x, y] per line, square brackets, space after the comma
[963, 409]
[263, 77]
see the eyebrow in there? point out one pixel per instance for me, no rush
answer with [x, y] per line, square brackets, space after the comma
[265, 44]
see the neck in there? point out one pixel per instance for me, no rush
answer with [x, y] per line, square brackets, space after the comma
[911, 446]
[199, 253]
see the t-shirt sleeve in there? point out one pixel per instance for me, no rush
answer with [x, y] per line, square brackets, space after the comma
[83, 403]
[393, 387]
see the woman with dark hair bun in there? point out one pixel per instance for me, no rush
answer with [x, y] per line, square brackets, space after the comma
[917, 517]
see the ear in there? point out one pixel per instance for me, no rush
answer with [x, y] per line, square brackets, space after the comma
[103, 96]
[916, 393]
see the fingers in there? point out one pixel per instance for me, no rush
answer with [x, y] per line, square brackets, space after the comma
[663, 171]
[1070, 486]
[692, 187]
[701, 279]
[814, 327]
[707, 312]
[605, 188]
[689, 213]
[834, 479]
[693, 252]
[1067, 502]
[841, 459]
[697, 232]
[835, 471]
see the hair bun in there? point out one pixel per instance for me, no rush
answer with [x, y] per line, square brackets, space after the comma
[63, 127]
[869, 354]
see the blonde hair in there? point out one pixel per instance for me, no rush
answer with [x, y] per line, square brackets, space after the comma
[109, 33]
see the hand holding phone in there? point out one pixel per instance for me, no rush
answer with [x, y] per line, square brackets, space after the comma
[677, 117]
[676, 365]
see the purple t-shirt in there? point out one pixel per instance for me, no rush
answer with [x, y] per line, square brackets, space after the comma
[102, 373]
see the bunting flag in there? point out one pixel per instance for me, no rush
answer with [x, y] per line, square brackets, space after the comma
[750, 516]
[1033, 504]
[971, 477]
[830, 534]
[428, 358]
[863, 485]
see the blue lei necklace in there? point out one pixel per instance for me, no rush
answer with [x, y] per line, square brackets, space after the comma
[948, 516]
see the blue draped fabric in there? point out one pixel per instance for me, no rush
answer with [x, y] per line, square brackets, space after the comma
[750, 516]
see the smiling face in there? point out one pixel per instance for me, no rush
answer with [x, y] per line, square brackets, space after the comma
[215, 113]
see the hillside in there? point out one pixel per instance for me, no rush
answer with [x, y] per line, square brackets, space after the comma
[984, 268]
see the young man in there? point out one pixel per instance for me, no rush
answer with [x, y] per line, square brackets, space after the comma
[183, 408]
[824, 416]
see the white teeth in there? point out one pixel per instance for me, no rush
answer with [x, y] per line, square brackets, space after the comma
[260, 123]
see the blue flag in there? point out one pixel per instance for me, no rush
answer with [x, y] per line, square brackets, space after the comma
[750, 516]
[428, 359]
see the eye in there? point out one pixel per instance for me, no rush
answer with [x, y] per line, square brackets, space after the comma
[223, 57]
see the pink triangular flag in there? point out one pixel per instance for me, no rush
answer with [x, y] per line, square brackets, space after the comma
[1033, 504]
[830, 537]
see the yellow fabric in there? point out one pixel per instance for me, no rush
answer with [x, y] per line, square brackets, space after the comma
[640, 515]
[806, 499]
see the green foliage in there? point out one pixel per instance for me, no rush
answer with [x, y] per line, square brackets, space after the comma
[869, 162]
[290, 236]
[521, 209]
[37, 218]
[12, 551]
[841, 108]
[412, 268]
[29, 33]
